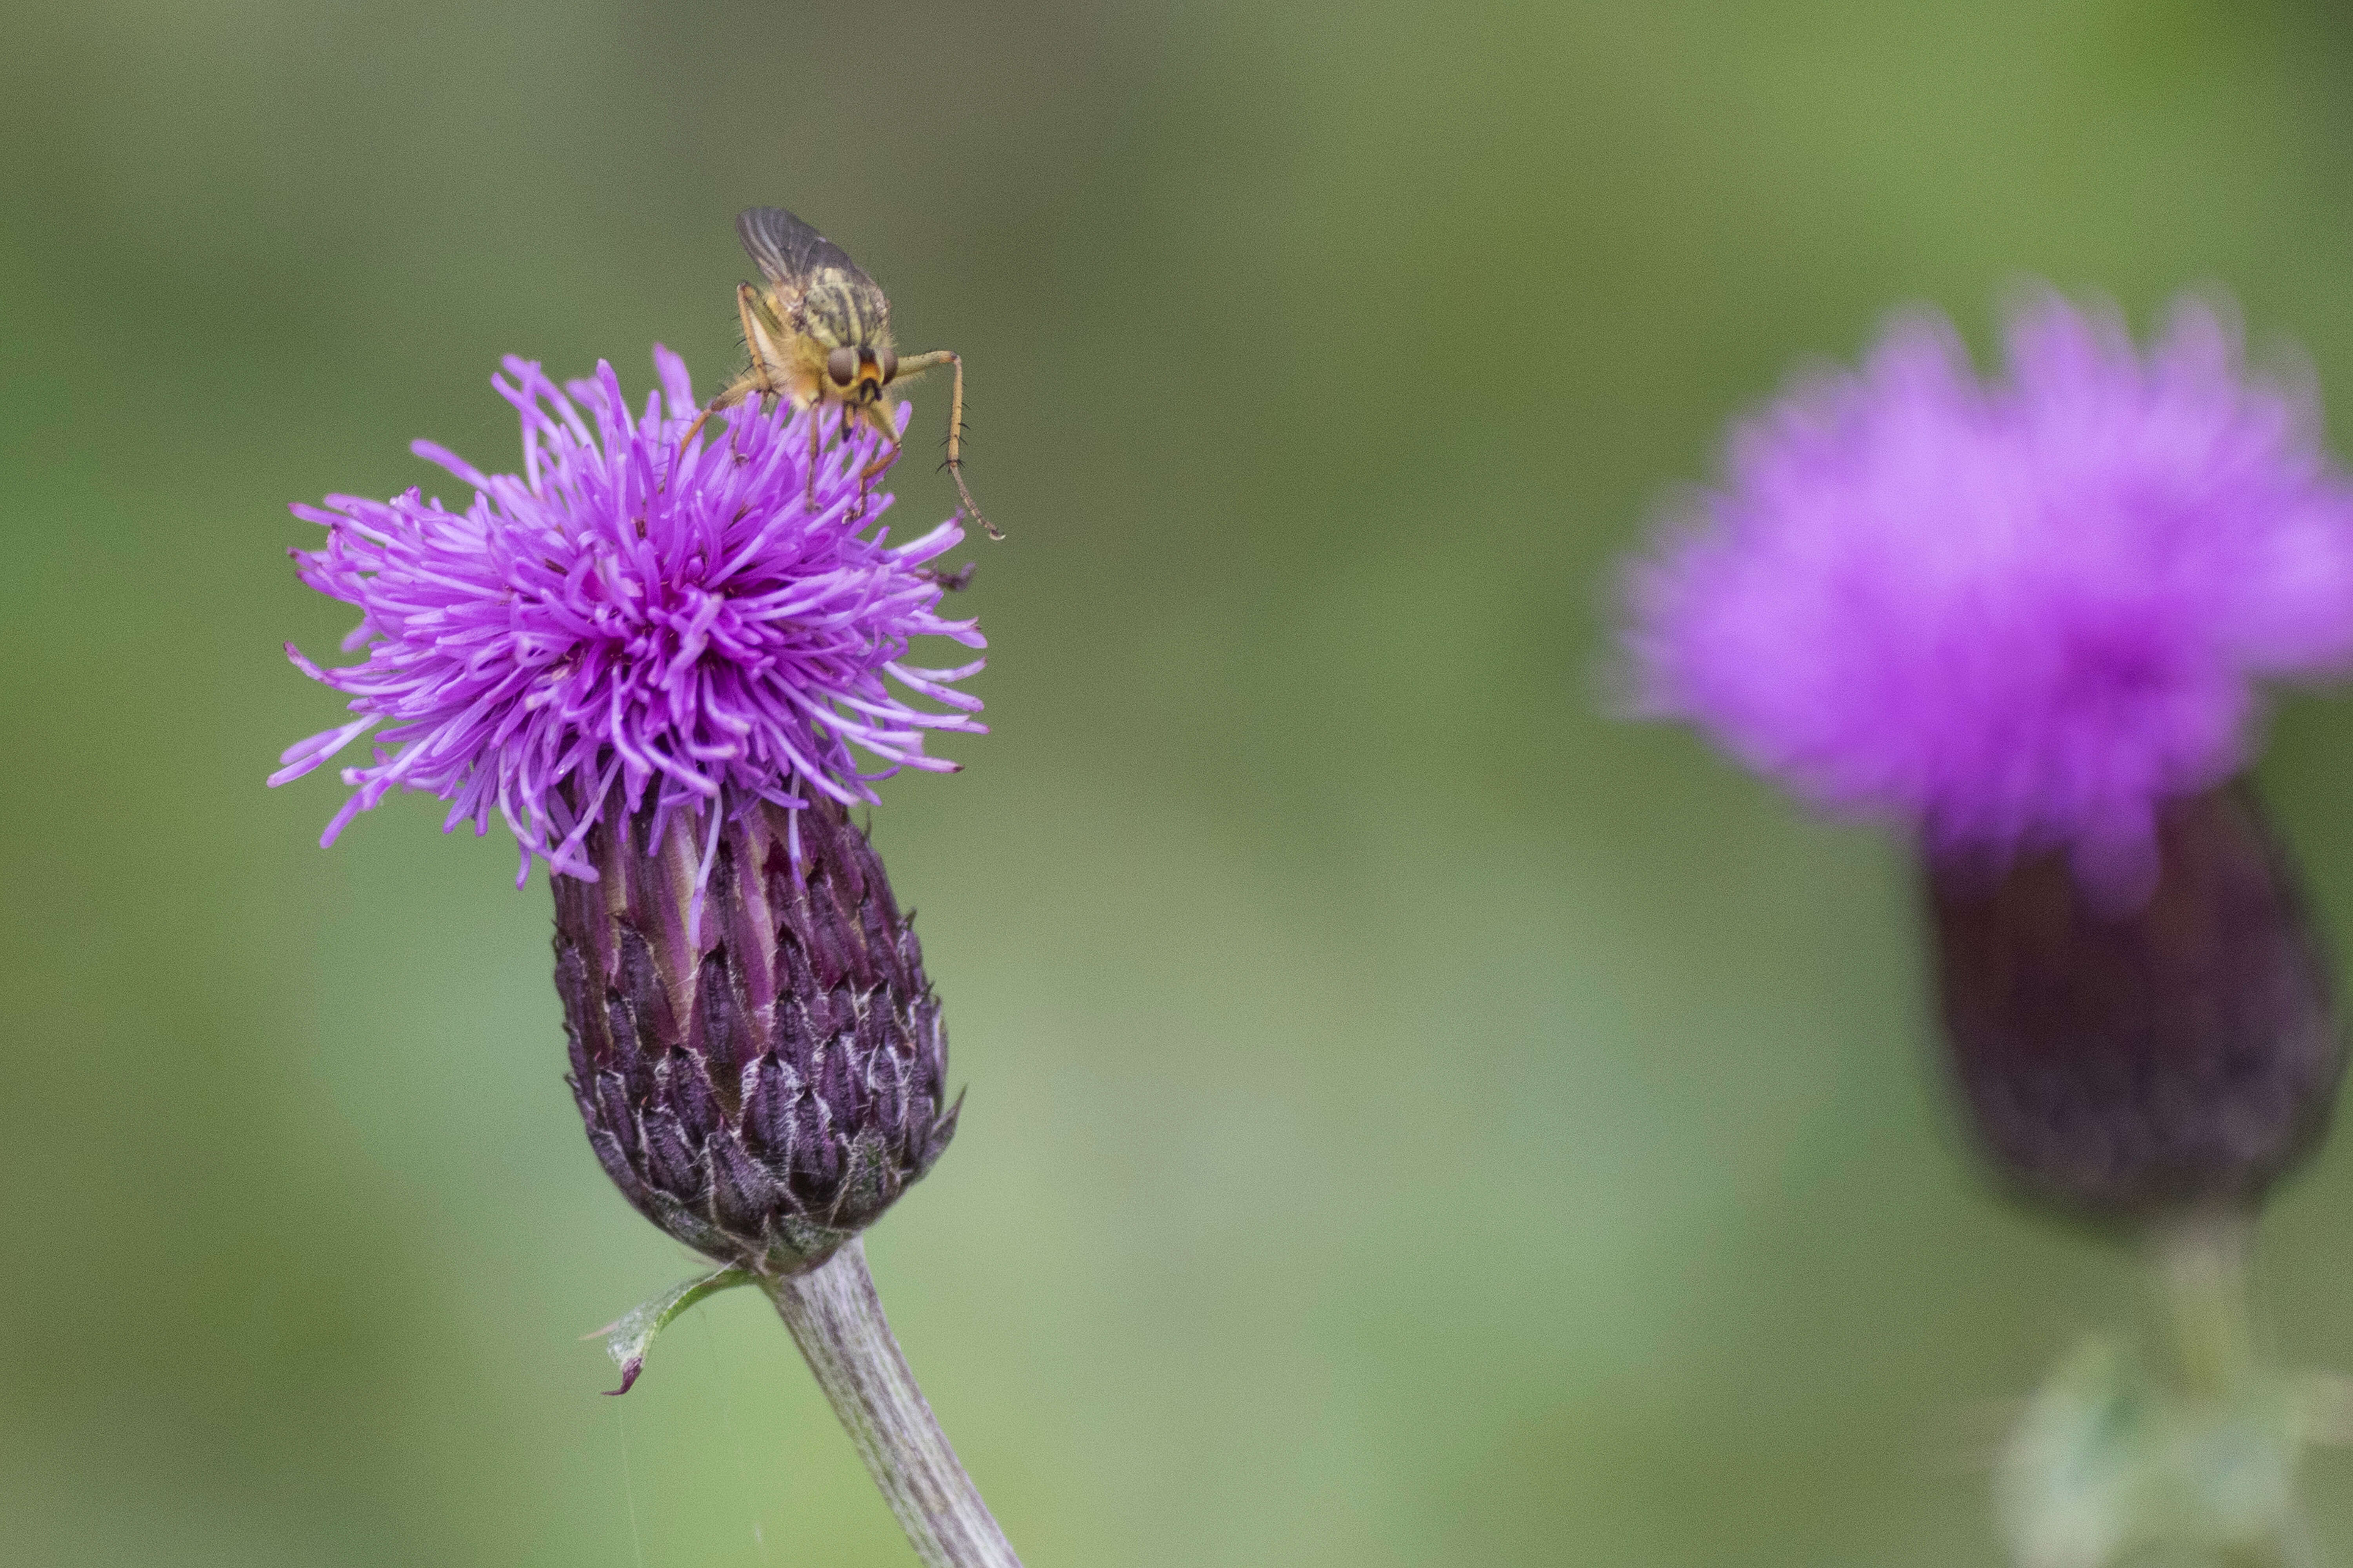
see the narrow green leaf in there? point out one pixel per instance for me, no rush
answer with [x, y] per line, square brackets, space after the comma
[627, 1339]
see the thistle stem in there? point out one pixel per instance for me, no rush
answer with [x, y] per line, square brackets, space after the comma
[2201, 1269]
[2201, 1266]
[837, 1318]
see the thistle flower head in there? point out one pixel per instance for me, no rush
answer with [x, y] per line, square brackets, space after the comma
[2015, 616]
[627, 630]
[2029, 620]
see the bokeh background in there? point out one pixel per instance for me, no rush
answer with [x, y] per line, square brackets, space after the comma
[1415, 1118]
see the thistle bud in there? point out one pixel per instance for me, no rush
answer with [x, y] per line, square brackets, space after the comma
[761, 1065]
[2120, 1064]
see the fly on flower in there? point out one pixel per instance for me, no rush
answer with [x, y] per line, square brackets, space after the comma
[820, 334]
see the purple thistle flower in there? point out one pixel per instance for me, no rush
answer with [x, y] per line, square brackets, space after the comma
[2028, 620]
[2015, 617]
[621, 629]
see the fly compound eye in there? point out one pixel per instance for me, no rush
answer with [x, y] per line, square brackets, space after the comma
[841, 364]
[890, 365]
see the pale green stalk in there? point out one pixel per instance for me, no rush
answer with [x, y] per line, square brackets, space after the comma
[837, 1318]
[2201, 1262]
[2201, 1266]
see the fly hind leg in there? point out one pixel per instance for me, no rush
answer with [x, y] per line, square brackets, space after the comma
[757, 379]
[744, 388]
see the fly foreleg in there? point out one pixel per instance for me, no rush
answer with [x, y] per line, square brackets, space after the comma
[917, 366]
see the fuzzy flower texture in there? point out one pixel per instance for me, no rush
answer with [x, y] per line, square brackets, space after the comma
[2016, 617]
[624, 629]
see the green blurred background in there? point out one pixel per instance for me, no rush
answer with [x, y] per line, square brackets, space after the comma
[1414, 1119]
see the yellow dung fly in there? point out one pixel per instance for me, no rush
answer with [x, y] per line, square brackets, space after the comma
[819, 335]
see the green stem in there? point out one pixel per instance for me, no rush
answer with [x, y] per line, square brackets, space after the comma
[2201, 1269]
[837, 1318]
[2201, 1265]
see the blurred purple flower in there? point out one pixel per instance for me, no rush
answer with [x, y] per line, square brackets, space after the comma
[2015, 617]
[621, 630]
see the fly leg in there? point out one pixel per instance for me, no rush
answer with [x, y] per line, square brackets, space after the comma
[877, 417]
[744, 388]
[754, 380]
[917, 366]
[817, 423]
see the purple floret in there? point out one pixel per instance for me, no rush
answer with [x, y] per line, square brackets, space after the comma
[2014, 616]
[620, 630]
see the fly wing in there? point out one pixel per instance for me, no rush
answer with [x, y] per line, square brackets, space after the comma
[788, 250]
[823, 292]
